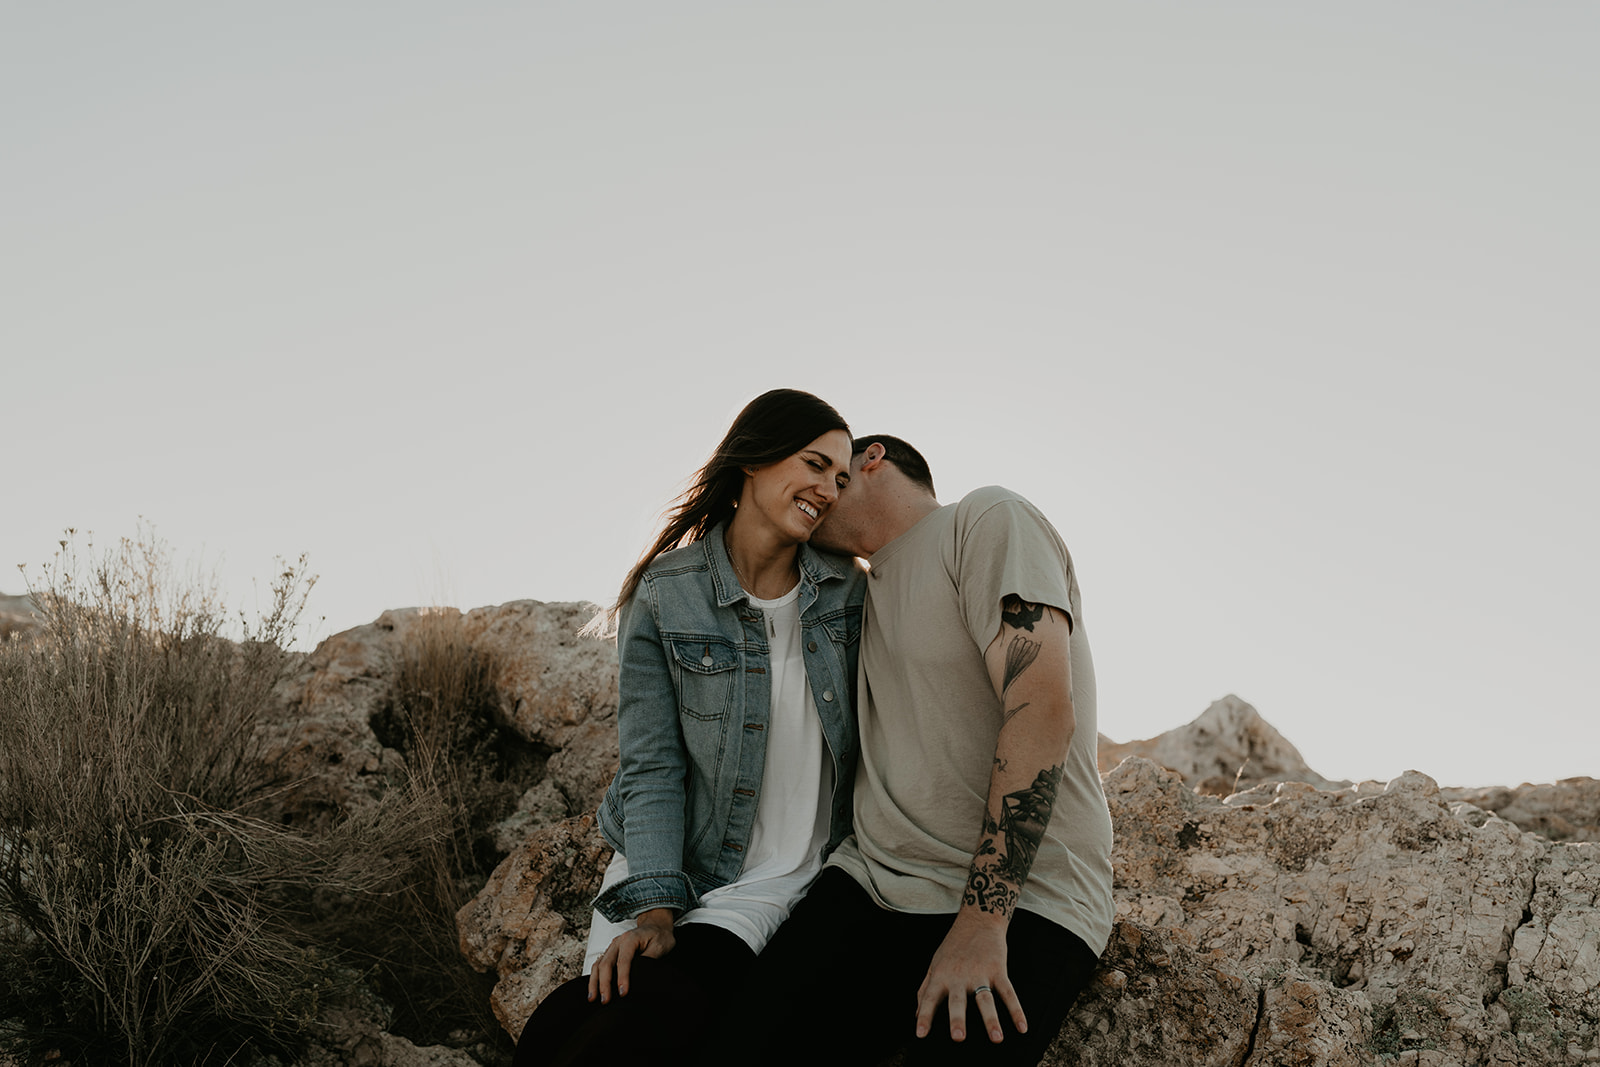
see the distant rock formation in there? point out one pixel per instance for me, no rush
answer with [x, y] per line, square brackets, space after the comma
[1291, 923]
[1228, 748]
[17, 616]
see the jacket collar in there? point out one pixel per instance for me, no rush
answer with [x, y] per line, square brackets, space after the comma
[815, 568]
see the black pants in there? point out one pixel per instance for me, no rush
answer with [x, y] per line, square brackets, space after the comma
[672, 1004]
[837, 985]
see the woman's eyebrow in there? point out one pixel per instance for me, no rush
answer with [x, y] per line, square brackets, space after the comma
[827, 459]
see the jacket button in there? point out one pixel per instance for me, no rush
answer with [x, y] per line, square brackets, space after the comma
[811, 646]
[706, 661]
[827, 694]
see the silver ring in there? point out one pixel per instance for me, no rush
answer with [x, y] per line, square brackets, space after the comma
[983, 989]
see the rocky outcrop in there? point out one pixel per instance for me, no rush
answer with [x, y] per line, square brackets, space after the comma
[556, 693]
[1293, 921]
[1568, 810]
[556, 696]
[1371, 924]
[1282, 925]
[1228, 748]
[530, 923]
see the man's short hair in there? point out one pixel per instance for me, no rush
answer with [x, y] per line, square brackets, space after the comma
[903, 456]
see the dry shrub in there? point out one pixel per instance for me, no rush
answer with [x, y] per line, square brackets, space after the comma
[147, 914]
[442, 715]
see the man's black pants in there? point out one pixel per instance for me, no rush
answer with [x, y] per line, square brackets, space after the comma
[837, 985]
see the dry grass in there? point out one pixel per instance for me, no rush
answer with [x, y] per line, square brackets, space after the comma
[147, 914]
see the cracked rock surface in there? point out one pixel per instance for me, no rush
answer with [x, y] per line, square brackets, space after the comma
[1379, 923]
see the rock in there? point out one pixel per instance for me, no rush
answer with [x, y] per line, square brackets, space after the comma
[1228, 748]
[18, 615]
[351, 1034]
[559, 690]
[396, 1051]
[1156, 999]
[1404, 917]
[557, 693]
[1553, 973]
[530, 923]
[1568, 810]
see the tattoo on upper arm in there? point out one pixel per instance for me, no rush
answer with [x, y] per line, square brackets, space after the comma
[1006, 852]
[1019, 614]
[1020, 654]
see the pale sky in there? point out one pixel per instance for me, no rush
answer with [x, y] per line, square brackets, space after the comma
[1283, 313]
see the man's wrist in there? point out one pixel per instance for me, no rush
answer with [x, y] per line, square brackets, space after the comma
[988, 892]
[970, 915]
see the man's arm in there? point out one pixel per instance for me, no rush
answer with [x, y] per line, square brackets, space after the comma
[1030, 667]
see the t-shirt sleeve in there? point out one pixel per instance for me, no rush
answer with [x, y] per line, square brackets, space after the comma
[1008, 548]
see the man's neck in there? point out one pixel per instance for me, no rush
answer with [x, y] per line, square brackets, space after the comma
[902, 515]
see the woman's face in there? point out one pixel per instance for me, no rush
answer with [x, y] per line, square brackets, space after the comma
[792, 495]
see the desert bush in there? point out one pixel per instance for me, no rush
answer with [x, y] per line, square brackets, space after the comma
[148, 912]
[442, 715]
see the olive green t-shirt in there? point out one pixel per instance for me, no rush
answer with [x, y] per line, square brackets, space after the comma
[929, 717]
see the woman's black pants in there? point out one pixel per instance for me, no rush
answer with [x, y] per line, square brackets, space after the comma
[673, 1004]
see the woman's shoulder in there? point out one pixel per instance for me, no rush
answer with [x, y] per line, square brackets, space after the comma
[683, 559]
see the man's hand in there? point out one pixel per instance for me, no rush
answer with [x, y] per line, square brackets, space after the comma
[651, 936]
[971, 962]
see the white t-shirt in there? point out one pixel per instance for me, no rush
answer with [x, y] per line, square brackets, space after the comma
[791, 827]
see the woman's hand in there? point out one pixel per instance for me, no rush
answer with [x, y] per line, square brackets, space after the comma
[651, 936]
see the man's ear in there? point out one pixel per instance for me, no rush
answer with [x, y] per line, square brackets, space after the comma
[872, 458]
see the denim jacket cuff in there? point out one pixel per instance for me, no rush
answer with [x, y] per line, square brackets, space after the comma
[639, 893]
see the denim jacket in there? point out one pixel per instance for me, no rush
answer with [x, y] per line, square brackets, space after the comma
[693, 705]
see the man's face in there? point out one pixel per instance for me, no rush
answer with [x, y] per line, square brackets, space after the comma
[842, 527]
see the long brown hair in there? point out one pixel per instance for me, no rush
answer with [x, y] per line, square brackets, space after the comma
[772, 427]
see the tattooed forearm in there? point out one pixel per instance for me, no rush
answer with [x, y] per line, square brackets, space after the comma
[1019, 614]
[1009, 844]
[1023, 818]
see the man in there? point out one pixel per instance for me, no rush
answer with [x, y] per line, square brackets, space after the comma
[977, 885]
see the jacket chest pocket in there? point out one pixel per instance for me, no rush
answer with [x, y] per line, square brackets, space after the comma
[843, 629]
[706, 669]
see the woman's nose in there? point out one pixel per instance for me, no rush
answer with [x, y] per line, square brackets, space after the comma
[829, 490]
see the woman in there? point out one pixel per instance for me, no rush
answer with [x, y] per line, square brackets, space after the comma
[736, 644]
